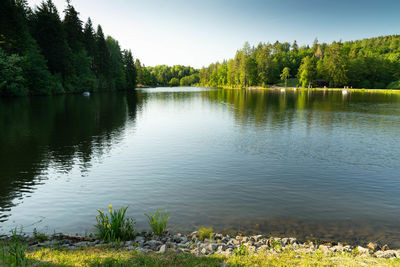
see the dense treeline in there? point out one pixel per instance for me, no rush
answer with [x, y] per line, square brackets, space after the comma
[41, 54]
[367, 63]
[163, 75]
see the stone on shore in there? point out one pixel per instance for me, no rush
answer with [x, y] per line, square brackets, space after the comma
[372, 246]
[163, 249]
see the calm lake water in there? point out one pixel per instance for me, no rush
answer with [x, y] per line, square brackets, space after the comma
[310, 164]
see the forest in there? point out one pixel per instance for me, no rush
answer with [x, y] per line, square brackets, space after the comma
[367, 63]
[163, 75]
[42, 54]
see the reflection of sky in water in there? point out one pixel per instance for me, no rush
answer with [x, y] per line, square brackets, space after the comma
[231, 159]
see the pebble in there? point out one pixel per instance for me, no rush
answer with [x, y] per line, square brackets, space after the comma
[163, 249]
[219, 244]
[372, 246]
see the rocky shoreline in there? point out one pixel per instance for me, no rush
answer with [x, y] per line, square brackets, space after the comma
[217, 244]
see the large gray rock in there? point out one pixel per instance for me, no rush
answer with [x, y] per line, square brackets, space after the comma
[385, 254]
[153, 244]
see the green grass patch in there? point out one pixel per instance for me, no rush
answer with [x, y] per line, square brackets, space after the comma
[41, 237]
[205, 233]
[13, 252]
[112, 257]
[293, 82]
[109, 257]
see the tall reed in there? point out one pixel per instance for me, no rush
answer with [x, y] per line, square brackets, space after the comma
[115, 226]
[158, 221]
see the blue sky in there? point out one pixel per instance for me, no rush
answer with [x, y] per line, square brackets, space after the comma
[198, 33]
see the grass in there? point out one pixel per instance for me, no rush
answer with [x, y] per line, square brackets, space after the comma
[292, 82]
[112, 257]
[41, 237]
[14, 253]
[158, 221]
[241, 251]
[115, 226]
[205, 233]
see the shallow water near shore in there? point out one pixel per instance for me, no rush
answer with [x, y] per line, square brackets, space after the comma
[309, 164]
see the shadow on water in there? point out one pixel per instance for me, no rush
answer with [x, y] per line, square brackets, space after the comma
[60, 131]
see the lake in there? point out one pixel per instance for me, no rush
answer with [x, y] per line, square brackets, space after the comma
[305, 163]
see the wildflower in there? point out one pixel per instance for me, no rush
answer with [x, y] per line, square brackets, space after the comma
[109, 211]
[110, 206]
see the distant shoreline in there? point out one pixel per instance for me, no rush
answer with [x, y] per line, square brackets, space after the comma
[306, 89]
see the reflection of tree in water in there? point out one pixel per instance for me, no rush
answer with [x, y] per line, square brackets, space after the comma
[263, 107]
[59, 131]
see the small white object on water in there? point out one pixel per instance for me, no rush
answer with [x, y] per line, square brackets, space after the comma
[283, 90]
[86, 93]
[345, 92]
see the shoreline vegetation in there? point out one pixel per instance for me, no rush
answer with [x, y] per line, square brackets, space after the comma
[116, 243]
[306, 89]
[366, 63]
[192, 249]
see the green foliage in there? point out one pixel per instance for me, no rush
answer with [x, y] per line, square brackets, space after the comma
[275, 244]
[394, 85]
[367, 63]
[174, 82]
[39, 236]
[130, 69]
[205, 233]
[118, 76]
[158, 221]
[12, 81]
[162, 75]
[115, 226]
[285, 75]
[113, 257]
[14, 253]
[50, 55]
[307, 72]
[241, 251]
[190, 80]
